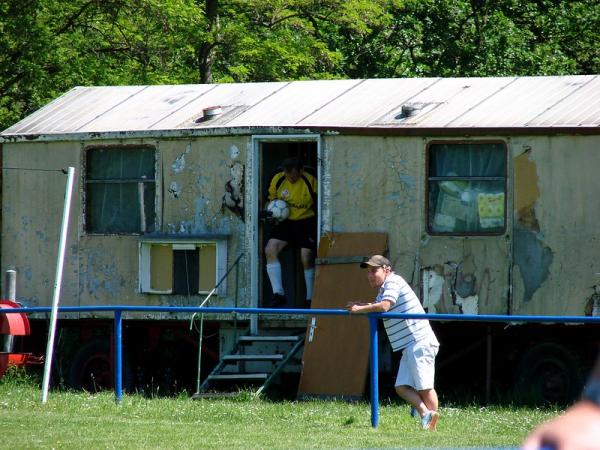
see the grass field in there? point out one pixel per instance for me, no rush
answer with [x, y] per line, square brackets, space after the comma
[81, 420]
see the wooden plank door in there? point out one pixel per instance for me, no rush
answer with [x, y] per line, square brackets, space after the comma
[336, 350]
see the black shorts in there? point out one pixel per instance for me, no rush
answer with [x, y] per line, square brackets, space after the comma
[297, 233]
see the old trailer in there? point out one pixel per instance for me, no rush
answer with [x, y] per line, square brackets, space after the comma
[486, 189]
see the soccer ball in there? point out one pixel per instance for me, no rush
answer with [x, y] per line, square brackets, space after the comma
[279, 209]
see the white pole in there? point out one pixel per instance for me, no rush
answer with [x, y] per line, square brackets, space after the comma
[142, 212]
[57, 283]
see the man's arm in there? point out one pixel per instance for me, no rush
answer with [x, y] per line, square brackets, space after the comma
[577, 428]
[273, 186]
[364, 308]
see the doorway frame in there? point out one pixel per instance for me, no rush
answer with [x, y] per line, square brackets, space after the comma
[252, 227]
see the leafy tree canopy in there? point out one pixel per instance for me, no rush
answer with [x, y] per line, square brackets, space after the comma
[49, 46]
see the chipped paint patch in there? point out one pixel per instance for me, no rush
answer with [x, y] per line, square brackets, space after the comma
[433, 285]
[234, 152]
[179, 165]
[448, 290]
[533, 259]
[174, 190]
[25, 223]
[233, 198]
[406, 183]
[468, 305]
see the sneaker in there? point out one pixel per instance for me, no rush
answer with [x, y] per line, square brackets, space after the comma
[413, 412]
[307, 303]
[429, 420]
[277, 300]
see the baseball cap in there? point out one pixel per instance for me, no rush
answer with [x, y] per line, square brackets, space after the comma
[376, 261]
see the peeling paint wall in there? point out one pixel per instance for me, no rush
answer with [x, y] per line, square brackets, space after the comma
[32, 207]
[384, 179]
[556, 232]
[100, 270]
[549, 252]
[195, 175]
[531, 257]
[376, 184]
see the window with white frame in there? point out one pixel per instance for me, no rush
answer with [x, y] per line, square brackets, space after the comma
[182, 267]
[120, 190]
[467, 188]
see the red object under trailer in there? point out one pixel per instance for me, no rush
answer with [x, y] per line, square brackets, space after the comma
[14, 324]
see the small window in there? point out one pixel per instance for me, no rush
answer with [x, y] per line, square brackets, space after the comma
[182, 268]
[120, 190]
[467, 188]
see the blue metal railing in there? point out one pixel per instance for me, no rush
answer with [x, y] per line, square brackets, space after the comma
[118, 311]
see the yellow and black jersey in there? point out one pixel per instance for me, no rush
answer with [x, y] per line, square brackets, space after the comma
[298, 195]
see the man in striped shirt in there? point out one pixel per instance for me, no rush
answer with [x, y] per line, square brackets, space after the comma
[414, 337]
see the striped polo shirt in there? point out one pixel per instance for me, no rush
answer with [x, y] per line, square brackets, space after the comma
[403, 332]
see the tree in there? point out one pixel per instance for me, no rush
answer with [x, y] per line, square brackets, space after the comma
[49, 46]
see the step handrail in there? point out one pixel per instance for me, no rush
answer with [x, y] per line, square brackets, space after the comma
[201, 327]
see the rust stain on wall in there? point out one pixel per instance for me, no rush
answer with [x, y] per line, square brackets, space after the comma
[526, 191]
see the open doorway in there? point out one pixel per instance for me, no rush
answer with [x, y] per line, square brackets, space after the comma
[272, 154]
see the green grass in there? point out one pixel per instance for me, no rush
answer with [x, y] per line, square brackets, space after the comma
[85, 421]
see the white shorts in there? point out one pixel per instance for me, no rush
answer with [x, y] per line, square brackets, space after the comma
[417, 366]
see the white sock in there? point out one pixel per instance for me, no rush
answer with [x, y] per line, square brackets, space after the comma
[274, 272]
[309, 279]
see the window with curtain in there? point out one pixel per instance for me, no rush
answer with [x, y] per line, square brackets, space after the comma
[467, 188]
[120, 190]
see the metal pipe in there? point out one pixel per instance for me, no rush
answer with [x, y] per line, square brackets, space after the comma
[513, 320]
[57, 282]
[237, 260]
[374, 365]
[488, 367]
[373, 336]
[198, 373]
[118, 356]
[10, 293]
[10, 287]
[142, 208]
[235, 302]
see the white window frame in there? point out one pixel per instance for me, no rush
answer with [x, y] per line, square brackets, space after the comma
[145, 245]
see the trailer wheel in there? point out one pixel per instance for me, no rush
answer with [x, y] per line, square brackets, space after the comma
[92, 368]
[549, 373]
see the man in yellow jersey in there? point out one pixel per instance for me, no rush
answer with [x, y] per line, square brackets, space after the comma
[299, 189]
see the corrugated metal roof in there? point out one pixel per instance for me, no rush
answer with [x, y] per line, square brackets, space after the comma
[438, 103]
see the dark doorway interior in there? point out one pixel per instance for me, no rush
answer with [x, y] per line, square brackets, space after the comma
[271, 155]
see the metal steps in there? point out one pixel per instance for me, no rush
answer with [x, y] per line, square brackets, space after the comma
[254, 362]
[241, 376]
[253, 357]
[268, 338]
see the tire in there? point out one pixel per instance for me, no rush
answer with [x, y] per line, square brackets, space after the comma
[92, 368]
[549, 373]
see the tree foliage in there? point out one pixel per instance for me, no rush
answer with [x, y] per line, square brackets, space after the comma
[49, 46]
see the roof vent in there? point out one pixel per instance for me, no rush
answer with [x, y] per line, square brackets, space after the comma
[211, 112]
[407, 111]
